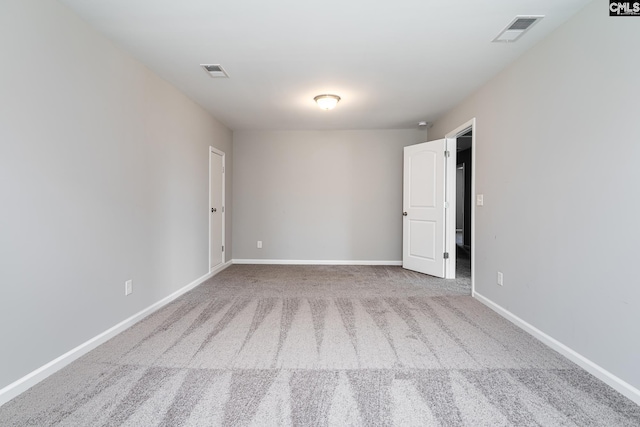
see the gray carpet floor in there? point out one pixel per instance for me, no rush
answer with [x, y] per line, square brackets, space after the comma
[317, 346]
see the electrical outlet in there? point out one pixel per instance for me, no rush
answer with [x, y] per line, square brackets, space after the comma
[259, 244]
[500, 278]
[128, 287]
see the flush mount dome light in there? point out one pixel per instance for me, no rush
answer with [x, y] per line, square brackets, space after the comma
[327, 102]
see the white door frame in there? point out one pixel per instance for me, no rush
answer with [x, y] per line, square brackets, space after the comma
[212, 151]
[450, 211]
[451, 232]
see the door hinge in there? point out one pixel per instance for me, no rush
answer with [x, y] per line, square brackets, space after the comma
[446, 205]
[223, 169]
[223, 248]
[446, 255]
[447, 153]
[223, 209]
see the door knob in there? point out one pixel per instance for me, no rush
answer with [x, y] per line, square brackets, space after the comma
[404, 214]
[213, 210]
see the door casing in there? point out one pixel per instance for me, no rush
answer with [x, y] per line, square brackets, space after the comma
[458, 131]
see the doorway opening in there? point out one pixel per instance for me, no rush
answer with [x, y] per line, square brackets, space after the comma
[464, 172]
[464, 223]
[429, 229]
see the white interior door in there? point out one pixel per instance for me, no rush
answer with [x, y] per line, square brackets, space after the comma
[423, 225]
[216, 208]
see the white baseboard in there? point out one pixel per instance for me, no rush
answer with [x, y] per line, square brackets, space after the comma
[31, 379]
[313, 262]
[215, 270]
[597, 371]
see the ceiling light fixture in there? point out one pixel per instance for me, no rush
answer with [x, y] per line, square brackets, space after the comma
[327, 102]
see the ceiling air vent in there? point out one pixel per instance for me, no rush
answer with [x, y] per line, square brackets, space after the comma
[215, 70]
[517, 27]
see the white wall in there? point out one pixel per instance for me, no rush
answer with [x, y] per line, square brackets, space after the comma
[103, 178]
[319, 195]
[557, 143]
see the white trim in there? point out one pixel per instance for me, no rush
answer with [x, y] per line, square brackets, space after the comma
[313, 262]
[450, 212]
[224, 210]
[218, 268]
[23, 384]
[597, 371]
[463, 128]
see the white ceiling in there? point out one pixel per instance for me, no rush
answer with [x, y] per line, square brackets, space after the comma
[394, 63]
